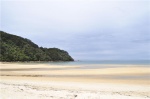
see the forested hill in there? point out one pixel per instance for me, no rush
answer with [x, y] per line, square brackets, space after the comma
[15, 48]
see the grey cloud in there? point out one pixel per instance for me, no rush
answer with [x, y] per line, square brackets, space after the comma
[86, 29]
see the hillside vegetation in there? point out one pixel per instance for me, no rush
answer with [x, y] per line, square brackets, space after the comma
[15, 48]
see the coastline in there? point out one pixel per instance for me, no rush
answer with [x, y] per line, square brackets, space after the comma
[72, 82]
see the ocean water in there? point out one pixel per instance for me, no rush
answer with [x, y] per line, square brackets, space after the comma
[86, 62]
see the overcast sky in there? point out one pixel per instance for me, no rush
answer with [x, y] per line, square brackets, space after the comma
[87, 29]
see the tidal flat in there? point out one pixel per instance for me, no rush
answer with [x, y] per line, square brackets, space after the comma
[43, 81]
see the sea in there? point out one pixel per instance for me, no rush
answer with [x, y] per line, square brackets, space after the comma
[97, 63]
[85, 62]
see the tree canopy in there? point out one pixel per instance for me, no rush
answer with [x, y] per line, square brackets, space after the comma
[15, 48]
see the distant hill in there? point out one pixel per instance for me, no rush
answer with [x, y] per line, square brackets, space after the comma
[15, 48]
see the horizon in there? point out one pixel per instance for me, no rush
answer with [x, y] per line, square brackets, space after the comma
[87, 30]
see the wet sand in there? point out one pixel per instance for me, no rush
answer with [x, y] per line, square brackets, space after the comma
[126, 82]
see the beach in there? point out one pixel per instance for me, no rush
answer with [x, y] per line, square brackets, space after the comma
[43, 81]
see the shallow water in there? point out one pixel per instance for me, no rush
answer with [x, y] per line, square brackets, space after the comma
[96, 64]
[85, 62]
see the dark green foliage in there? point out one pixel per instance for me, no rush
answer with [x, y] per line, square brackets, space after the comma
[15, 48]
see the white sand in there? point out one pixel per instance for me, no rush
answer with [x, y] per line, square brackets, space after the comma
[14, 85]
[71, 90]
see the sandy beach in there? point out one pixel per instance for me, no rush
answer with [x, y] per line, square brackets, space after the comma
[41, 81]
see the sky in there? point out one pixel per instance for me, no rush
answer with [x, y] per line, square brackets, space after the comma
[87, 29]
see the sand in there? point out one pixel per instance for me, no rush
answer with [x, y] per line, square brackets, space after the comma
[19, 81]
